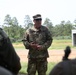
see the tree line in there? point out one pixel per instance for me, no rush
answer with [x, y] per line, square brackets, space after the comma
[15, 31]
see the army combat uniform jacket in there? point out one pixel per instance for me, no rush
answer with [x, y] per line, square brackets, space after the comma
[41, 37]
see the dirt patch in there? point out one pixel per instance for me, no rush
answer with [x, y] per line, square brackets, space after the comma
[54, 55]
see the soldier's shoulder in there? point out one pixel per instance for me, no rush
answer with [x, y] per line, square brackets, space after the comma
[29, 30]
[59, 65]
[57, 69]
[73, 61]
[44, 28]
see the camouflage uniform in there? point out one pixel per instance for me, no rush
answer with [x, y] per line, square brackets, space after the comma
[37, 59]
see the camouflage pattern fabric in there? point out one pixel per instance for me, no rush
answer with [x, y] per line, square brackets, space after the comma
[42, 37]
[37, 58]
[37, 64]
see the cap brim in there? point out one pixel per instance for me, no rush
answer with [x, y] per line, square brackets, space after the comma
[38, 18]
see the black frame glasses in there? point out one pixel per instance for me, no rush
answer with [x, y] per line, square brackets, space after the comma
[38, 19]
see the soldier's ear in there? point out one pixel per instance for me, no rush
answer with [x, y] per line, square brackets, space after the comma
[34, 21]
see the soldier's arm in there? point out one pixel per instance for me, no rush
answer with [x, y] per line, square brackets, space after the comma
[26, 40]
[49, 40]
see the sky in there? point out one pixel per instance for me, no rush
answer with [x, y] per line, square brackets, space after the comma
[55, 10]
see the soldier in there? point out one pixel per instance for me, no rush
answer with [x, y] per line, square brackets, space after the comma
[66, 67]
[37, 39]
[8, 57]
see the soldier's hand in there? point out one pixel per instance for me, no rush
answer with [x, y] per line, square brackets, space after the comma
[33, 45]
[39, 47]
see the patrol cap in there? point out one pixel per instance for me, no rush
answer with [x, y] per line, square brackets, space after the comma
[37, 16]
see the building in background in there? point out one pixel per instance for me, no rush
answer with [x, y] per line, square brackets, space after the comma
[74, 37]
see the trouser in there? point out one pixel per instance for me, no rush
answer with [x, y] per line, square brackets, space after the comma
[38, 64]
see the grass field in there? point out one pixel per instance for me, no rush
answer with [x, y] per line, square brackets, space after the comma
[61, 44]
[50, 66]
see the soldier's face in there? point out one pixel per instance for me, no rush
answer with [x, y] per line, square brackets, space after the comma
[37, 23]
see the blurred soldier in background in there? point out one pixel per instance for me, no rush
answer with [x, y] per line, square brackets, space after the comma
[37, 39]
[66, 67]
[8, 57]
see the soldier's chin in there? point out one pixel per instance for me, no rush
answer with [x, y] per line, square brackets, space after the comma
[38, 26]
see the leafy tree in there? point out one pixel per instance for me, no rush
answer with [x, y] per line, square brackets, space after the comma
[57, 31]
[12, 28]
[27, 22]
[74, 26]
[7, 20]
[14, 21]
[68, 28]
[62, 24]
[63, 29]
[48, 24]
[7, 23]
[16, 31]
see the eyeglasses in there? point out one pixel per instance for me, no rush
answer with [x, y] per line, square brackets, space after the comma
[38, 19]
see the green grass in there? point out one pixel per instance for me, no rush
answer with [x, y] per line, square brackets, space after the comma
[24, 67]
[18, 46]
[61, 44]
[50, 66]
